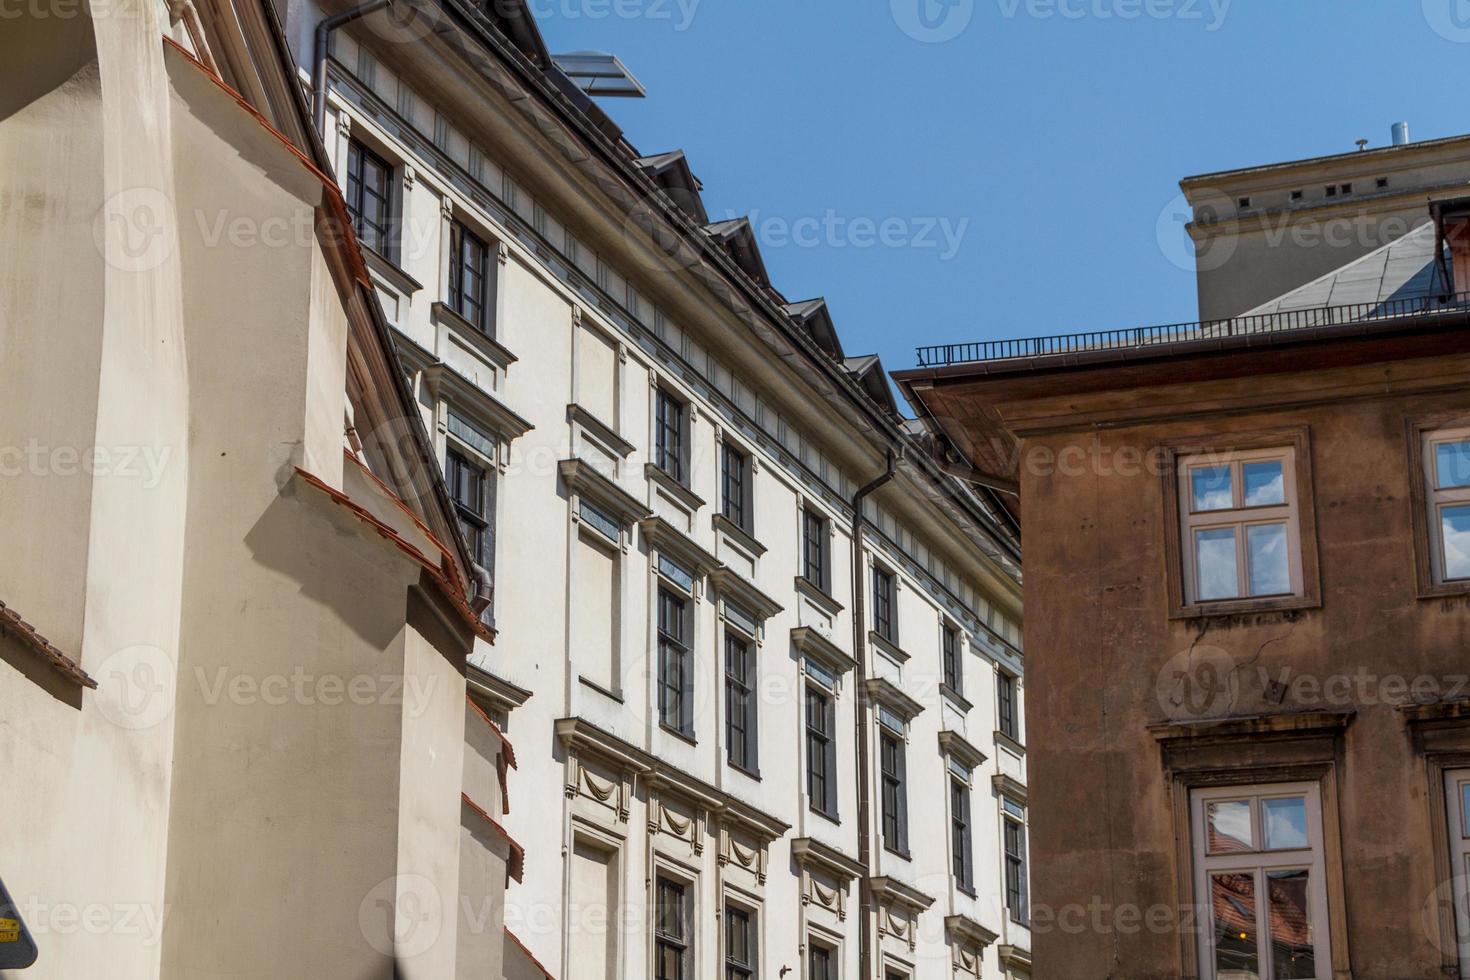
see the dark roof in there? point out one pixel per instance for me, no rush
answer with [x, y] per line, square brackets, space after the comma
[867, 371]
[671, 172]
[738, 239]
[813, 316]
[516, 21]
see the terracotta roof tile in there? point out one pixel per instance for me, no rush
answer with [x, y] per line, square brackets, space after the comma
[12, 625]
[517, 865]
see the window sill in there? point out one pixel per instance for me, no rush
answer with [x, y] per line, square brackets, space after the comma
[739, 534]
[390, 271]
[966, 889]
[1445, 590]
[818, 595]
[1245, 607]
[682, 493]
[747, 773]
[610, 695]
[599, 430]
[1006, 741]
[887, 647]
[960, 702]
[905, 855]
[834, 818]
[680, 735]
[483, 340]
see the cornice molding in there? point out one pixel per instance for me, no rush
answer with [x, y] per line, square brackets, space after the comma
[813, 644]
[582, 479]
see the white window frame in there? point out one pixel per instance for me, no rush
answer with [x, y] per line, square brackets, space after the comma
[1437, 498]
[1239, 517]
[1456, 783]
[1259, 862]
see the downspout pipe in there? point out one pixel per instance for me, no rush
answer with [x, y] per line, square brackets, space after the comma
[860, 720]
[324, 31]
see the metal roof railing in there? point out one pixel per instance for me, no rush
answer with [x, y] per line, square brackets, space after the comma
[1139, 338]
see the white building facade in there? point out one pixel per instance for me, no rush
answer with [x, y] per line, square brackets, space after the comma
[658, 457]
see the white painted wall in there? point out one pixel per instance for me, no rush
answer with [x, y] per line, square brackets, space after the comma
[569, 351]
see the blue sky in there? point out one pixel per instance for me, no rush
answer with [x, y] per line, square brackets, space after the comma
[1007, 181]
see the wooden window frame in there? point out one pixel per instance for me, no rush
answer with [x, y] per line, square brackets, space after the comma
[885, 603]
[671, 441]
[740, 697]
[681, 646]
[834, 959]
[462, 237]
[359, 155]
[1007, 705]
[735, 968]
[962, 835]
[826, 738]
[894, 778]
[477, 515]
[1428, 554]
[737, 503]
[1235, 446]
[1017, 898]
[683, 943]
[1285, 749]
[952, 658]
[1258, 862]
[1456, 817]
[816, 555]
[1441, 734]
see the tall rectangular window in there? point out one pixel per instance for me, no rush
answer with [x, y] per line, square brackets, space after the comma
[1447, 494]
[741, 735]
[1005, 691]
[735, 502]
[814, 548]
[740, 944]
[950, 644]
[469, 271]
[1259, 877]
[894, 793]
[470, 487]
[821, 961]
[883, 603]
[1457, 797]
[369, 196]
[669, 415]
[1014, 831]
[1240, 528]
[961, 845]
[821, 752]
[673, 946]
[675, 681]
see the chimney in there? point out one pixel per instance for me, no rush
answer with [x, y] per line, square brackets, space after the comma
[1401, 134]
